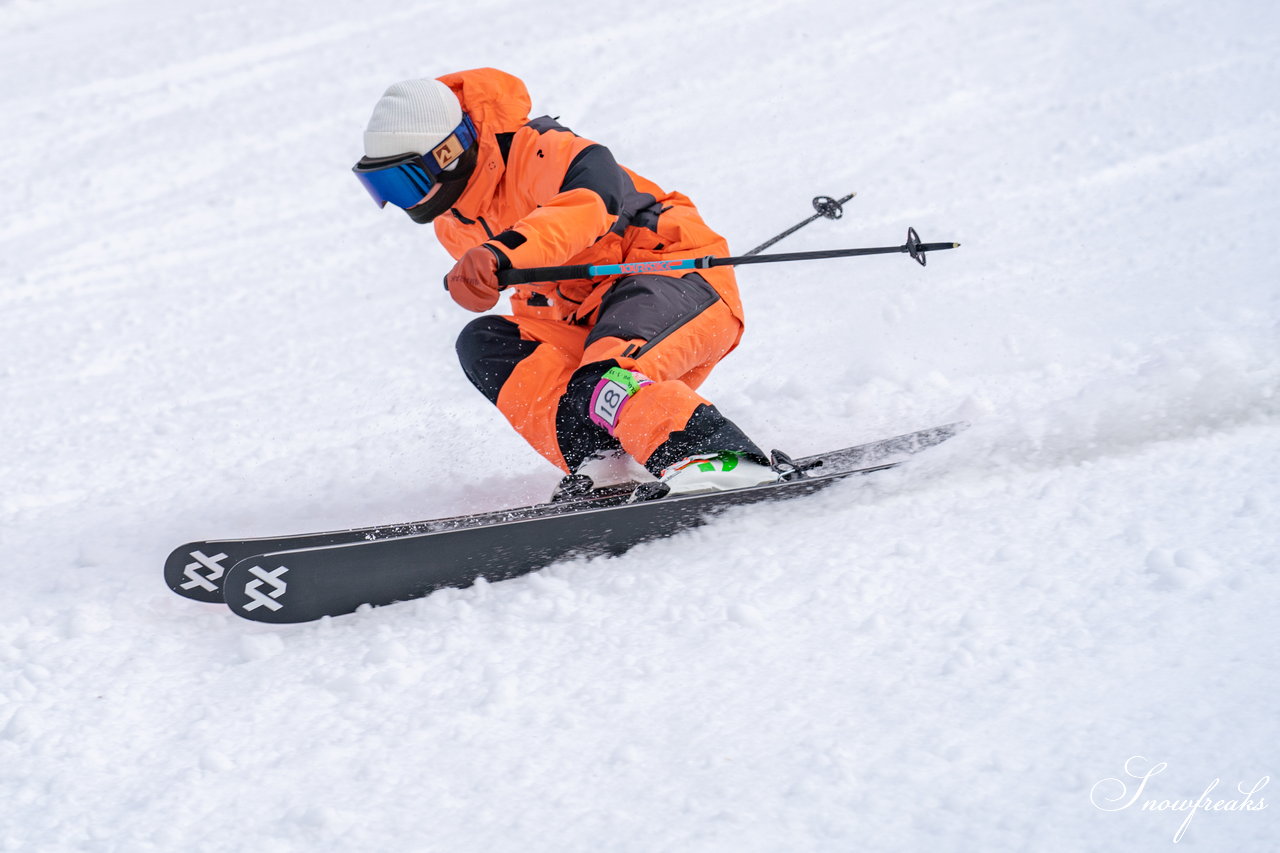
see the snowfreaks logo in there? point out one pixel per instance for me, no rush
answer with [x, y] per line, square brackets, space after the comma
[1113, 795]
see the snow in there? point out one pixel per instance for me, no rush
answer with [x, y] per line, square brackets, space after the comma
[208, 331]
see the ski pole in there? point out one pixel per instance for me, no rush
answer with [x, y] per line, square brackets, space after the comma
[913, 247]
[826, 206]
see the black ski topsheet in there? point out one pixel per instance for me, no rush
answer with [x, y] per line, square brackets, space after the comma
[198, 570]
[307, 584]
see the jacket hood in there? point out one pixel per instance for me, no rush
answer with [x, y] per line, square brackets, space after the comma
[495, 100]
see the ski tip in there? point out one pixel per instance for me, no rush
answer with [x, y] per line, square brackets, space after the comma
[194, 574]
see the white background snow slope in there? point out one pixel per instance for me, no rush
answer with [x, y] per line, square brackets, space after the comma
[209, 331]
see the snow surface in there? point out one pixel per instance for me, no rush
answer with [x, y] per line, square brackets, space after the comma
[208, 331]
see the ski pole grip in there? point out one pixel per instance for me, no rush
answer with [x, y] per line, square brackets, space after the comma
[507, 278]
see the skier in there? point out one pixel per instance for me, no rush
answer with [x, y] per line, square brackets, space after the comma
[582, 369]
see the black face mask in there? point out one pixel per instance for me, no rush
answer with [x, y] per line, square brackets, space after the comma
[452, 184]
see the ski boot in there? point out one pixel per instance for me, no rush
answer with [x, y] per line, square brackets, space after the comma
[708, 472]
[600, 471]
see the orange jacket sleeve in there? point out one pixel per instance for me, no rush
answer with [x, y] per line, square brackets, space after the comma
[573, 191]
[565, 225]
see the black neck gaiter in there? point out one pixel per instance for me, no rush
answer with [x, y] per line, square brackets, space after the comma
[452, 184]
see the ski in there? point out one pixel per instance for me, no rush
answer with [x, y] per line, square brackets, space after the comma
[304, 584]
[196, 570]
[200, 569]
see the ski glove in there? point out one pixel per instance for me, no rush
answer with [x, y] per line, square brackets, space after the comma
[473, 281]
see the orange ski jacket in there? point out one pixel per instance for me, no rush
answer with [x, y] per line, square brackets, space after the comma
[543, 196]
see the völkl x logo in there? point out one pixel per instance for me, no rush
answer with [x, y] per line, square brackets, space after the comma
[264, 577]
[204, 581]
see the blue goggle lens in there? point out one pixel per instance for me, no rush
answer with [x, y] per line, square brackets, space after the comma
[404, 185]
[405, 181]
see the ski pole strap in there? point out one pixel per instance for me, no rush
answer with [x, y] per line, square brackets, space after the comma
[913, 247]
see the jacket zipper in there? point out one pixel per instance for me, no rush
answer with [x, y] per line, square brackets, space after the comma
[465, 221]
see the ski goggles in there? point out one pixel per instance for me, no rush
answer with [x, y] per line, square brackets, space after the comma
[406, 179]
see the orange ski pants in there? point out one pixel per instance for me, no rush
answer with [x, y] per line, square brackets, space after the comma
[540, 373]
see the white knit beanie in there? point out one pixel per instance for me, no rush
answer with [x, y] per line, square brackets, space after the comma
[412, 116]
